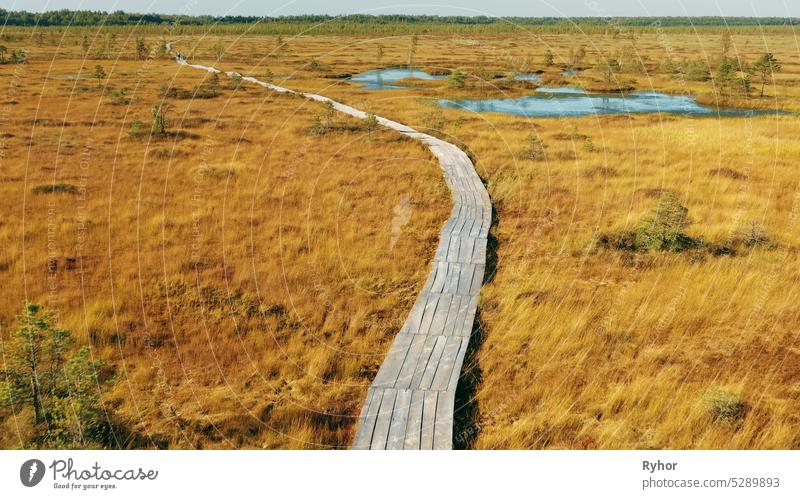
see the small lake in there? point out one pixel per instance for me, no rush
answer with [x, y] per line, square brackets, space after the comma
[571, 101]
[381, 79]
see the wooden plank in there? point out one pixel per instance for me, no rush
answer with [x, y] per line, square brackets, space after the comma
[477, 280]
[430, 310]
[457, 368]
[479, 251]
[433, 364]
[397, 429]
[452, 316]
[441, 277]
[423, 361]
[384, 420]
[440, 315]
[472, 306]
[443, 427]
[414, 423]
[390, 368]
[445, 365]
[465, 279]
[428, 420]
[415, 353]
[367, 427]
[414, 319]
[466, 249]
[453, 274]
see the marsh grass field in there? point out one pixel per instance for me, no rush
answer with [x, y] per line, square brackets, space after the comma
[245, 271]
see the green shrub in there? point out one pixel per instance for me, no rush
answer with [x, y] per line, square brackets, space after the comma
[456, 79]
[663, 230]
[62, 387]
[726, 407]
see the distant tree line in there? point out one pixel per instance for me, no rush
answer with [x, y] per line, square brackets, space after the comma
[92, 18]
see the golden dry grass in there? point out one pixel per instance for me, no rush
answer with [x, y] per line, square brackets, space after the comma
[582, 347]
[244, 276]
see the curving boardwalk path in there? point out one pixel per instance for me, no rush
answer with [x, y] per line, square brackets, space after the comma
[411, 402]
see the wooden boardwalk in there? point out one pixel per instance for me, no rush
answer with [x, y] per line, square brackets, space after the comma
[411, 402]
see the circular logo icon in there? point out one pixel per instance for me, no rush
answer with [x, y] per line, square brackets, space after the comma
[31, 472]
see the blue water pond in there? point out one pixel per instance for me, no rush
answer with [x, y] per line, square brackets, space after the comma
[381, 79]
[570, 101]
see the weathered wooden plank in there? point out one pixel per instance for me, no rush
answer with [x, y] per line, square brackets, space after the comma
[466, 328]
[414, 423]
[477, 279]
[441, 277]
[397, 429]
[410, 365]
[445, 365]
[456, 374]
[433, 364]
[390, 368]
[424, 360]
[430, 310]
[381, 434]
[443, 427]
[454, 273]
[370, 415]
[428, 419]
[440, 315]
[452, 316]
[479, 251]
[465, 279]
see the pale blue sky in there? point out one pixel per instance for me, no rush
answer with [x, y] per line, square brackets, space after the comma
[532, 8]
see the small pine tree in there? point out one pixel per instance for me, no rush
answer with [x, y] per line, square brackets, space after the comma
[727, 42]
[534, 147]
[280, 46]
[63, 390]
[236, 80]
[19, 56]
[765, 68]
[37, 354]
[99, 74]
[142, 50]
[370, 124]
[329, 113]
[663, 230]
[456, 79]
[217, 51]
[314, 65]
[158, 120]
[549, 58]
[726, 74]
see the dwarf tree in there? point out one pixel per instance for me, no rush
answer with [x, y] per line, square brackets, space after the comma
[62, 390]
[99, 74]
[765, 68]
